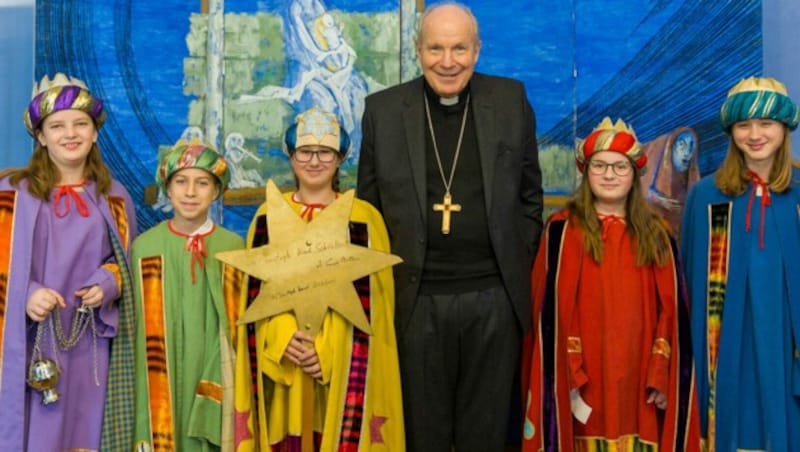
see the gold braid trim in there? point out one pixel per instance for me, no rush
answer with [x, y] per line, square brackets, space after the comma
[160, 393]
[661, 347]
[209, 390]
[232, 280]
[7, 205]
[574, 345]
[114, 269]
[117, 206]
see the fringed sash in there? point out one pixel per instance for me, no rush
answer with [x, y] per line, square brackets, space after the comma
[719, 252]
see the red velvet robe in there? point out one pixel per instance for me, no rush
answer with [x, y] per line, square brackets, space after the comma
[615, 331]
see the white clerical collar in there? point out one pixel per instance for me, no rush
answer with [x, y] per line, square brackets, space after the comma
[448, 101]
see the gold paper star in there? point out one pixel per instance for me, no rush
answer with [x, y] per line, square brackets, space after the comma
[308, 267]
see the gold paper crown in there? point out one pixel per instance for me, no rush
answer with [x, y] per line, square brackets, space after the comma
[618, 126]
[758, 84]
[608, 136]
[58, 80]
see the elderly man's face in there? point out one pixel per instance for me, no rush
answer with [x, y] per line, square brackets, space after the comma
[448, 49]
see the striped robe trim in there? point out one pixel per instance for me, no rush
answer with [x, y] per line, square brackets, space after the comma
[7, 206]
[154, 321]
[718, 255]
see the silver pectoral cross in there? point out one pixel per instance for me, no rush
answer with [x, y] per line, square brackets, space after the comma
[446, 207]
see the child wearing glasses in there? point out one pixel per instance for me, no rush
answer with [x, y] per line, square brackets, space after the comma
[356, 389]
[740, 246]
[609, 360]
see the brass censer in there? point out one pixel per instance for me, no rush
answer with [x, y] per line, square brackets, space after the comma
[43, 375]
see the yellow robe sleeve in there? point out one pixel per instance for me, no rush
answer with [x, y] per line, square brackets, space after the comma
[277, 332]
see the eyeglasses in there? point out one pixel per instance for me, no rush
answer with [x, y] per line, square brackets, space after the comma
[599, 167]
[323, 155]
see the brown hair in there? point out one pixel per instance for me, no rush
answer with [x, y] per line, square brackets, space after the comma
[42, 174]
[732, 178]
[648, 230]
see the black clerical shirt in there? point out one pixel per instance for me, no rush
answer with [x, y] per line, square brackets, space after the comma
[463, 260]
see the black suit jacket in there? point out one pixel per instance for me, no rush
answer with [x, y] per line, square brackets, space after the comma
[391, 176]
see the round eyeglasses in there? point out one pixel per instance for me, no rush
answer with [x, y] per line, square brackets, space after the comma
[599, 167]
[323, 155]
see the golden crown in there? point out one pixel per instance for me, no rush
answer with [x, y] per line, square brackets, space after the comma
[618, 126]
[758, 84]
[58, 80]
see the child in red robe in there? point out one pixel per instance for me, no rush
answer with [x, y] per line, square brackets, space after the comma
[609, 360]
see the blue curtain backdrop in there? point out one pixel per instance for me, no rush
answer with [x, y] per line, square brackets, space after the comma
[16, 51]
[658, 64]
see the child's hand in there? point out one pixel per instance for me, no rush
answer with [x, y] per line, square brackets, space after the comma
[659, 398]
[41, 302]
[302, 353]
[91, 296]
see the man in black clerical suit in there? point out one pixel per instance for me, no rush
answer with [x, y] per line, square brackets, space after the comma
[451, 161]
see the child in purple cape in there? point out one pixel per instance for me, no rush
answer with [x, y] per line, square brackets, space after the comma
[65, 231]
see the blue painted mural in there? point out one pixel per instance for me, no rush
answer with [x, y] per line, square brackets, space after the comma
[659, 64]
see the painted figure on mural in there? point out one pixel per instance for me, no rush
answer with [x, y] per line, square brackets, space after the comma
[192, 133]
[357, 404]
[336, 75]
[740, 240]
[672, 171]
[65, 231]
[185, 309]
[321, 68]
[451, 161]
[610, 366]
[298, 22]
[237, 155]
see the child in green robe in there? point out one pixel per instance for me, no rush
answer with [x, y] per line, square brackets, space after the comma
[185, 303]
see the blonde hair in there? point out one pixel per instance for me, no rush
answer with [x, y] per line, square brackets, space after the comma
[732, 179]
